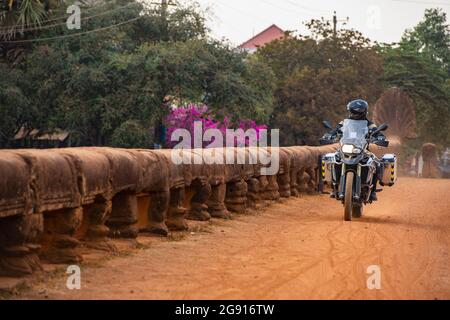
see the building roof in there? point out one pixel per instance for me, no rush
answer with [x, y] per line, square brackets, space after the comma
[34, 134]
[268, 35]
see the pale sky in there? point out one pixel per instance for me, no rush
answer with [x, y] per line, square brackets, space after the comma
[381, 20]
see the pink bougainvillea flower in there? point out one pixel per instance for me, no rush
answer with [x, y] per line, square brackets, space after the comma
[184, 118]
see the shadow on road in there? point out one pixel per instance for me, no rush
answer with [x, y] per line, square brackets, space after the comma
[383, 220]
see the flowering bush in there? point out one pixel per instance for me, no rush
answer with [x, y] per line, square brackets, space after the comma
[185, 117]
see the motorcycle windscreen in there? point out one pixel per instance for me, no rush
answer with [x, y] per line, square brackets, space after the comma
[354, 132]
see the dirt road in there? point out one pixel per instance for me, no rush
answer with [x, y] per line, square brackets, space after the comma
[297, 249]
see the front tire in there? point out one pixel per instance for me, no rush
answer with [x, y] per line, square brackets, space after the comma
[348, 201]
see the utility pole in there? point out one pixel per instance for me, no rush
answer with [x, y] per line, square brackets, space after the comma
[334, 25]
[165, 4]
[160, 129]
[335, 22]
[164, 9]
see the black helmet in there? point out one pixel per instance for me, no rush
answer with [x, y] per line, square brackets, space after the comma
[358, 109]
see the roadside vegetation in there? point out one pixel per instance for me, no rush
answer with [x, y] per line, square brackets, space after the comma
[114, 81]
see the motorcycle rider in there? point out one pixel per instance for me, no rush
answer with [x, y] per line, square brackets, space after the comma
[359, 110]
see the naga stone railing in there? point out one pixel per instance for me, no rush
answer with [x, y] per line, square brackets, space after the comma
[54, 201]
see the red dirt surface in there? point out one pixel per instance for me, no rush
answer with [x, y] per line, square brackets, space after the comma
[297, 249]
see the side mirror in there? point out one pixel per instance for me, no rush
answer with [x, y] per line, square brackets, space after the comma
[384, 143]
[327, 125]
[381, 128]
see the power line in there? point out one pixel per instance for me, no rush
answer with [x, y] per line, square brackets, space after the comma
[282, 8]
[74, 34]
[424, 2]
[64, 23]
[314, 10]
[243, 12]
[85, 8]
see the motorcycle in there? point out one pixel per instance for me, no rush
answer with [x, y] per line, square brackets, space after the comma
[354, 169]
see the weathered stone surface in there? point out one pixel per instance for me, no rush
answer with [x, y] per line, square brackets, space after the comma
[297, 163]
[284, 173]
[54, 181]
[236, 196]
[124, 216]
[59, 240]
[19, 236]
[396, 108]
[96, 215]
[176, 214]
[15, 192]
[430, 161]
[93, 173]
[52, 200]
[166, 210]
[216, 202]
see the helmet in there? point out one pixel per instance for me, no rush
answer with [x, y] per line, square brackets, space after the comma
[358, 109]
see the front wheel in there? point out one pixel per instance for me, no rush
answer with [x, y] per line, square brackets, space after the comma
[348, 201]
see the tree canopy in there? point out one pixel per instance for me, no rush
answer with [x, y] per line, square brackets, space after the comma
[116, 73]
[419, 65]
[98, 84]
[317, 76]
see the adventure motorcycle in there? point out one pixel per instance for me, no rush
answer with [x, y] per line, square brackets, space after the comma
[353, 171]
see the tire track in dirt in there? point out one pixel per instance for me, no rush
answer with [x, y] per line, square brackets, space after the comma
[297, 249]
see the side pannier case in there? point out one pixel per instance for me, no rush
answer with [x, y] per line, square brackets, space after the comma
[328, 161]
[388, 170]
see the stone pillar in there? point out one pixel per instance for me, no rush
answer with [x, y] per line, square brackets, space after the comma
[311, 182]
[301, 181]
[157, 211]
[254, 200]
[123, 216]
[177, 212]
[216, 203]
[19, 236]
[294, 184]
[60, 227]
[236, 196]
[97, 232]
[199, 210]
[284, 183]
[271, 190]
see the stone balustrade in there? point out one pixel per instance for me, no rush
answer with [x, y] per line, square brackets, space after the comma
[54, 201]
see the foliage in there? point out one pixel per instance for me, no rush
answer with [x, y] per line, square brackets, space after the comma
[317, 76]
[419, 65]
[185, 117]
[14, 110]
[131, 134]
[97, 84]
[100, 85]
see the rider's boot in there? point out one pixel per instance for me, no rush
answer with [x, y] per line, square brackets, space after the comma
[373, 196]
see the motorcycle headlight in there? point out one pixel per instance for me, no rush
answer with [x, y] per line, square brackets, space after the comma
[349, 148]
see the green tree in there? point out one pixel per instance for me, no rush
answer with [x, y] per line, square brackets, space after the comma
[317, 76]
[14, 105]
[131, 134]
[419, 65]
[97, 85]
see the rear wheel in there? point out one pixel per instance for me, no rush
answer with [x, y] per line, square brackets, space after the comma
[348, 201]
[357, 210]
